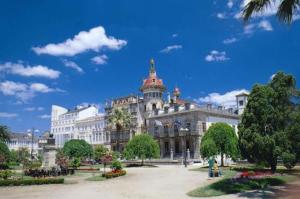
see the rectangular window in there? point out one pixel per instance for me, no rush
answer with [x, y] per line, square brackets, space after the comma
[241, 102]
[204, 126]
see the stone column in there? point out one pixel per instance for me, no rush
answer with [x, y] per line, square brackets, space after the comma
[197, 147]
[171, 154]
[172, 144]
[183, 146]
[162, 148]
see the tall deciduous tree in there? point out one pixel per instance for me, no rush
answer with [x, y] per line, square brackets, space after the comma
[77, 149]
[4, 153]
[4, 133]
[220, 139]
[267, 126]
[120, 119]
[142, 146]
[285, 12]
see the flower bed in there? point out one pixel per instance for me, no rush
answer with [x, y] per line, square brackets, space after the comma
[253, 174]
[114, 173]
[38, 181]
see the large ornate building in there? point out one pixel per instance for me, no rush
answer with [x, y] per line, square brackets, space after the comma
[175, 123]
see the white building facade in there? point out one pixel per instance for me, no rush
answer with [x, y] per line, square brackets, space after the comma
[23, 140]
[85, 123]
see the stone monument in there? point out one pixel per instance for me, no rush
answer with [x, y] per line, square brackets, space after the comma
[49, 153]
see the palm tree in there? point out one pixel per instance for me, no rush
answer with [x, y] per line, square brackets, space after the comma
[285, 11]
[120, 119]
[4, 133]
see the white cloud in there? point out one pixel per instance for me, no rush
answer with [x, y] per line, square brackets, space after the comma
[230, 4]
[215, 55]
[221, 15]
[265, 25]
[171, 48]
[24, 92]
[45, 116]
[230, 40]
[174, 35]
[95, 40]
[30, 109]
[100, 59]
[8, 115]
[28, 71]
[227, 99]
[71, 64]
[40, 108]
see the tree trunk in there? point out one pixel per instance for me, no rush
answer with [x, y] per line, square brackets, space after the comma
[222, 160]
[273, 167]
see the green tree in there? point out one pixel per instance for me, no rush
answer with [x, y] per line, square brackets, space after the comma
[13, 157]
[61, 159]
[285, 11]
[4, 153]
[142, 146]
[4, 133]
[220, 139]
[100, 151]
[267, 122]
[120, 119]
[77, 149]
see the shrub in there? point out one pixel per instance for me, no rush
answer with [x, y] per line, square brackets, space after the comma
[116, 165]
[113, 174]
[5, 174]
[38, 181]
[75, 163]
[289, 160]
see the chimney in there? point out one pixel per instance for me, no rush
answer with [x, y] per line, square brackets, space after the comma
[209, 106]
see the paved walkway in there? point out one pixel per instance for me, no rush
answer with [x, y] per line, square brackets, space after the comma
[165, 182]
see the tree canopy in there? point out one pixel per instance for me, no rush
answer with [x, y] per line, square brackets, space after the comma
[120, 118]
[285, 11]
[269, 127]
[4, 133]
[77, 149]
[100, 151]
[4, 153]
[220, 139]
[142, 146]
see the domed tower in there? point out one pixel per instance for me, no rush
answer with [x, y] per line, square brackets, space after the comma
[153, 89]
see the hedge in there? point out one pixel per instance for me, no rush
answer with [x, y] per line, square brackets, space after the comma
[32, 181]
[114, 174]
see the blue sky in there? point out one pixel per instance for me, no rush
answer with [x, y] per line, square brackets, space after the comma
[73, 52]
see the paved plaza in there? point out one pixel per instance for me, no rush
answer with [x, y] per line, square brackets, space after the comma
[140, 183]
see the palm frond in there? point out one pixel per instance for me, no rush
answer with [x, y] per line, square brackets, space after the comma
[286, 10]
[254, 6]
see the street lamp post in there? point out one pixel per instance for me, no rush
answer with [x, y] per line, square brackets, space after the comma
[31, 133]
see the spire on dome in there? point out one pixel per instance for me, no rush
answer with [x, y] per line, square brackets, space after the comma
[152, 66]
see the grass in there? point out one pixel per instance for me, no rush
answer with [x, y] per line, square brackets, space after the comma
[96, 178]
[227, 185]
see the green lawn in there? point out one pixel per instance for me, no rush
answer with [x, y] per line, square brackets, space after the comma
[228, 186]
[96, 178]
